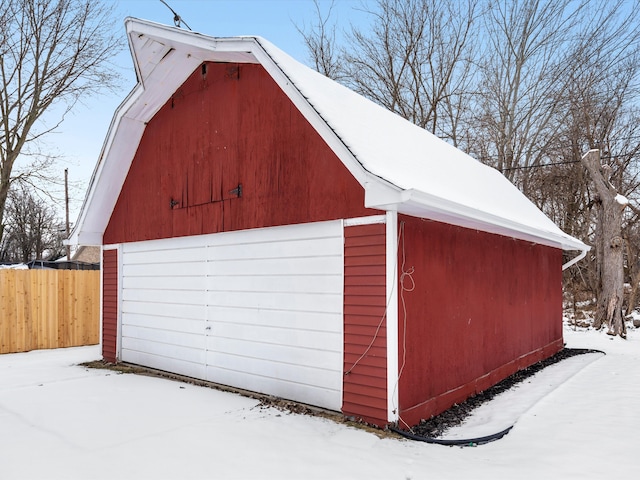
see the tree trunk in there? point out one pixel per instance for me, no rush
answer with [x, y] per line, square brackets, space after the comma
[610, 243]
[633, 295]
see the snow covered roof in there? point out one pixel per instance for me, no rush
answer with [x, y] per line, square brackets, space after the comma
[401, 166]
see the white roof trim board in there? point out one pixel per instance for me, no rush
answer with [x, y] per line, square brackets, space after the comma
[402, 167]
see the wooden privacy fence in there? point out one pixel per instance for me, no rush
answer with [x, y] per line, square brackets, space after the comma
[48, 309]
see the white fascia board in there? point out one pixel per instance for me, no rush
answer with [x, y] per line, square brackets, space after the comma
[420, 204]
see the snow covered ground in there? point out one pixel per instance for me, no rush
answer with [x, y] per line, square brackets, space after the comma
[59, 420]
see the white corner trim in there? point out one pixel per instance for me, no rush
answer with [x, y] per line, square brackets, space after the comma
[392, 316]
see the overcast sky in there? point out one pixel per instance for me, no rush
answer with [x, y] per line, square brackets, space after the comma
[80, 138]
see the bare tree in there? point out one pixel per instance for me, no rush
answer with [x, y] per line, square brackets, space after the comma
[33, 232]
[52, 53]
[415, 60]
[320, 40]
[522, 72]
[610, 245]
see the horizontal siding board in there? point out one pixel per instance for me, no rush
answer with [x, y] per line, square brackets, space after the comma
[366, 301]
[364, 241]
[367, 386]
[372, 398]
[372, 311]
[367, 331]
[378, 250]
[371, 260]
[376, 230]
[365, 290]
[363, 372]
[364, 281]
[352, 407]
[357, 406]
[366, 271]
[364, 319]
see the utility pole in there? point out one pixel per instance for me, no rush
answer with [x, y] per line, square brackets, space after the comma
[66, 205]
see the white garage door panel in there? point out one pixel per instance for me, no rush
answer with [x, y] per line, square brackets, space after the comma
[167, 282]
[196, 312]
[296, 283]
[181, 339]
[278, 372]
[283, 266]
[299, 302]
[269, 301]
[275, 353]
[146, 254]
[164, 350]
[175, 324]
[283, 248]
[318, 340]
[168, 364]
[179, 297]
[301, 392]
[159, 269]
[275, 318]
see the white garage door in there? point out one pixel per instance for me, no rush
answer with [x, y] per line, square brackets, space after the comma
[257, 309]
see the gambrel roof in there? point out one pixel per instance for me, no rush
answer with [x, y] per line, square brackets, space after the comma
[401, 167]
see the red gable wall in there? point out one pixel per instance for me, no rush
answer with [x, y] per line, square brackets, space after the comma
[230, 124]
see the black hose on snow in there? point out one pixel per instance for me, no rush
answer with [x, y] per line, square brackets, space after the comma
[459, 442]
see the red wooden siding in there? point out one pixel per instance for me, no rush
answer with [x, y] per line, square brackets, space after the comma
[226, 126]
[365, 384]
[109, 304]
[483, 307]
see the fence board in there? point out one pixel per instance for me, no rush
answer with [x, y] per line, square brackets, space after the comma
[48, 309]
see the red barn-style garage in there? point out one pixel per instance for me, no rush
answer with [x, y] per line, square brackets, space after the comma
[266, 228]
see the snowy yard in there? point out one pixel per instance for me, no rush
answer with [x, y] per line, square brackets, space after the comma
[58, 420]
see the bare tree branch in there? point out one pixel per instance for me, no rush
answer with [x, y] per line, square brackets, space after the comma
[54, 53]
